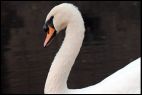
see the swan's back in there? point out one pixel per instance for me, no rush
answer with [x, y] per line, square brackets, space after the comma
[125, 80]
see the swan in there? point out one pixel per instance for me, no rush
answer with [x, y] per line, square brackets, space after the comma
[67, 16]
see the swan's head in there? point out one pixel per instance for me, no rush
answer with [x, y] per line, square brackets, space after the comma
[58, 19]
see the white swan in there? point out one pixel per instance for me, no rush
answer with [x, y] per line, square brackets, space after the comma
[126, 80]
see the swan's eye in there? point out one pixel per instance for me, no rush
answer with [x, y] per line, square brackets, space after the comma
[47, 24]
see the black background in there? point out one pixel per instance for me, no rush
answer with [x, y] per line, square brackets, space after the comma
[112, 41]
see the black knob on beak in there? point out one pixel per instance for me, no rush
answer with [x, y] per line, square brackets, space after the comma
[45, 27]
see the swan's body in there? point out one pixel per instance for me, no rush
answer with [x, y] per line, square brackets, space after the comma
[126, 80]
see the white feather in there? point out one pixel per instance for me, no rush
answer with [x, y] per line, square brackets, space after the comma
[126, 80]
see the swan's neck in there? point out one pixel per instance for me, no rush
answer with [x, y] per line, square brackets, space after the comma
[61, 66]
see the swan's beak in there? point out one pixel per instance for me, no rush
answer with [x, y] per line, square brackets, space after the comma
[50, 35]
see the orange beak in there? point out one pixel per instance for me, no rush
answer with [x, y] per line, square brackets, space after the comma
[49, 36]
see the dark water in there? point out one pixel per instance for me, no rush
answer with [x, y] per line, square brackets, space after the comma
[112, 41]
